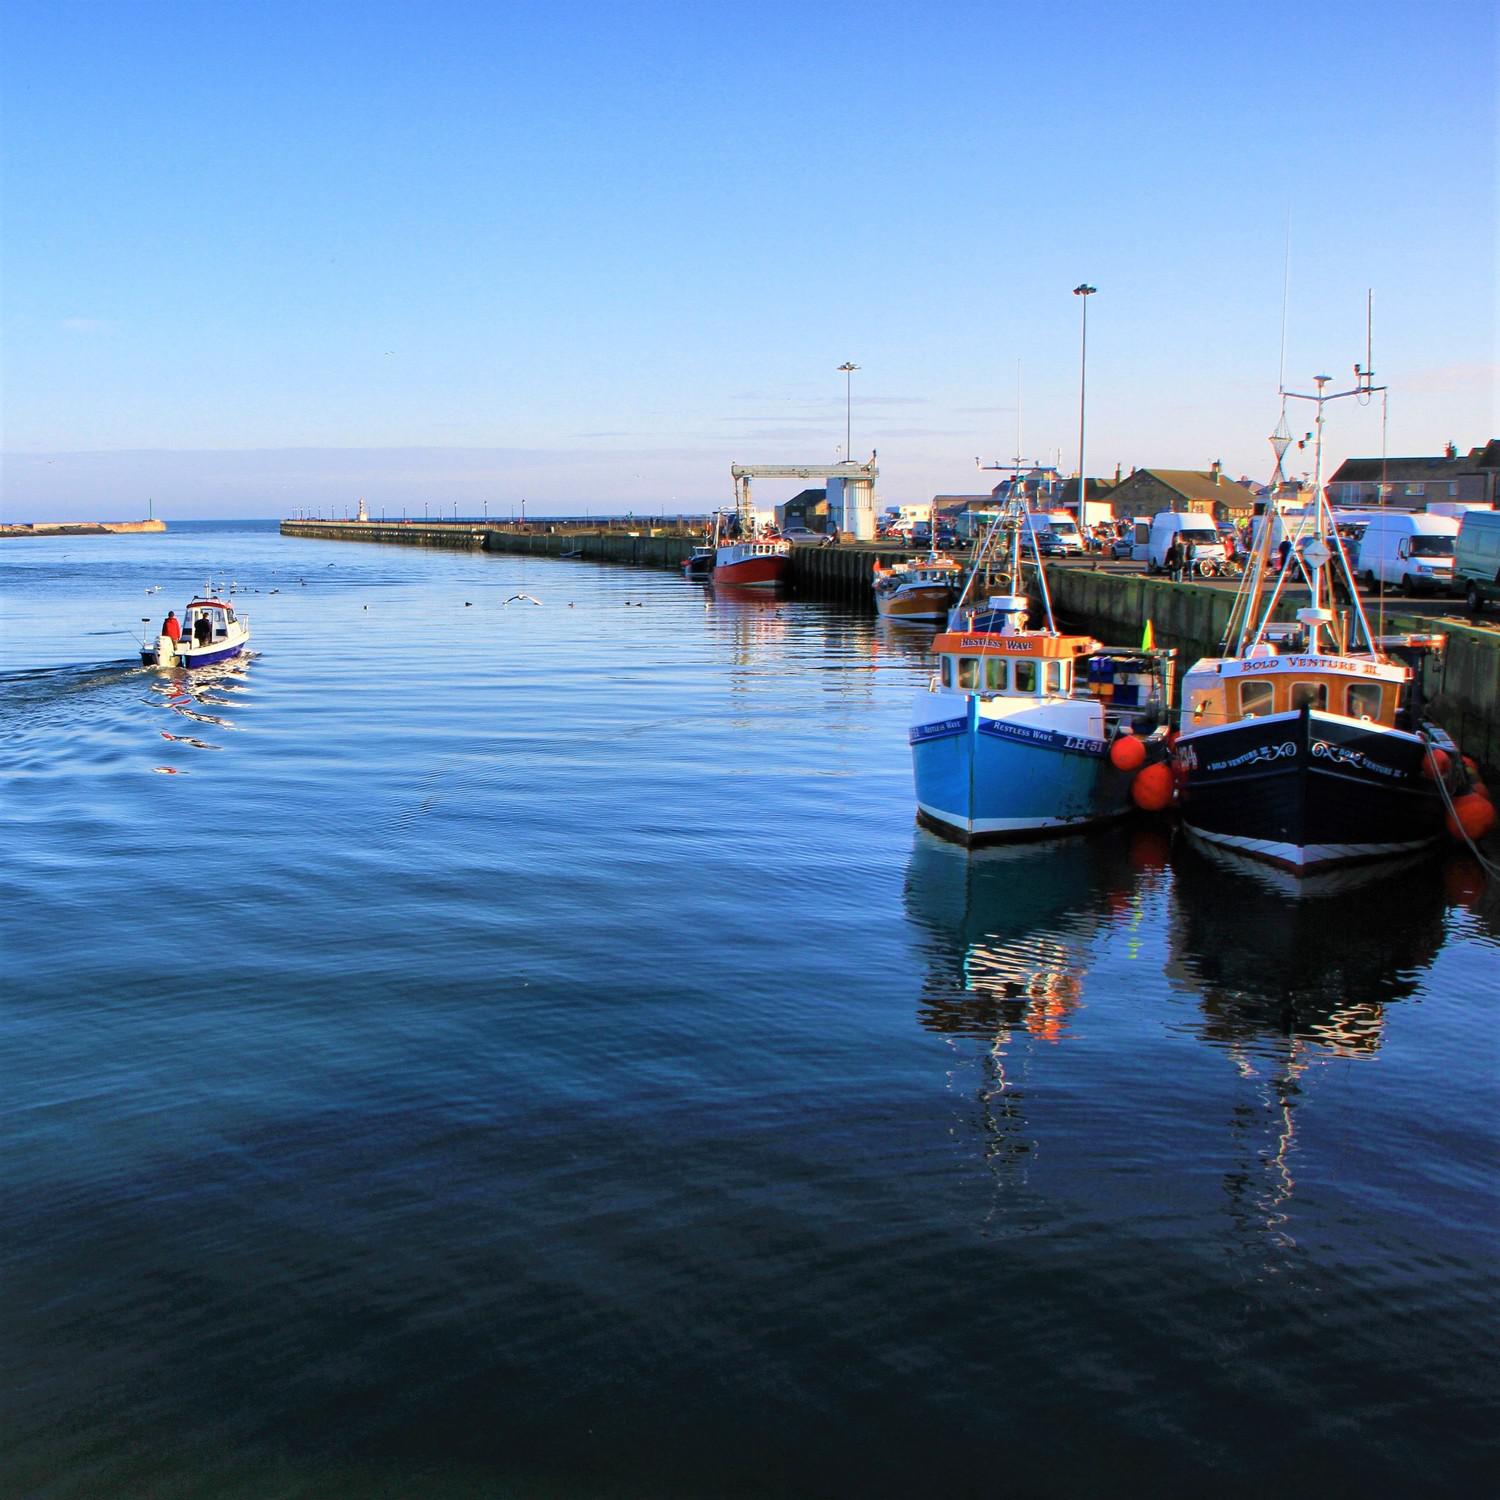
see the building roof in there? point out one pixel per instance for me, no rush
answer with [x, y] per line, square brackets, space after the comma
[1099, 489]
[954, 503]
[1440, 466]
[1200, 484]
[1355, 470]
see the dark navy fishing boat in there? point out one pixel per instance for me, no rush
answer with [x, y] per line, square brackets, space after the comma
[1303, 743]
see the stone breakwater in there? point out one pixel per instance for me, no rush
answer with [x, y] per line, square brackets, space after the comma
[77, 528]
[1462, 685]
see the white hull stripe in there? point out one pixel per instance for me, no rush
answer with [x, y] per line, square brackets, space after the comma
[1298, 857]
[1000, 825]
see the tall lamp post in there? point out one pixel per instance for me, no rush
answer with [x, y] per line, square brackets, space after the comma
[847, 370]
[1084, 290]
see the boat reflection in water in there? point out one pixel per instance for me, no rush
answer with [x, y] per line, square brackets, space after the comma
[1313, 959]
[1007, 936]
[1292, 972]
[1007, 932]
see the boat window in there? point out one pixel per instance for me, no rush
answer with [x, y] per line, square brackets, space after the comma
[1054, 677]
[1257, 698]
[948, 671]
[994, 674]
[968, 673]
[1364, 700]
[1025, 677]
[1309, 695]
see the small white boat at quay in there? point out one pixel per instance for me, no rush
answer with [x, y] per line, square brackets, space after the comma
[211, 632]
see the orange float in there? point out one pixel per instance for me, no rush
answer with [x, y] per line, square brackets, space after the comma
[1435, 763]
[1151, 790]
[1127, 753]
[1472, 817]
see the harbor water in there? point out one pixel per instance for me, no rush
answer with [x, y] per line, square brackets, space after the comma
[485, 1048]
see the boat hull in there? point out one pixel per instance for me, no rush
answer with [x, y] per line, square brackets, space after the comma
[985, 780]
[751, 572]
[184, 654]
[1307, 790]
[924, 603]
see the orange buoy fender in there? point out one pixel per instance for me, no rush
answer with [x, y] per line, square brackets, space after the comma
[1472, 817]
[1127, 753]
[1151, 790]
[1435, 763]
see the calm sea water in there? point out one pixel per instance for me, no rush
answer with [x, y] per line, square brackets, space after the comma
[529, 1050]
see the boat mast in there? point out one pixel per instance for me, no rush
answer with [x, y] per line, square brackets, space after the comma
[1318, 553]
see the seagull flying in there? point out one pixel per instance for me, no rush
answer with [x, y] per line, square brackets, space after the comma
[526, 597]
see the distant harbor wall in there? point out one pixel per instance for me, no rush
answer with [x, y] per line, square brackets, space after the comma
[15, 530]
[1462, 685]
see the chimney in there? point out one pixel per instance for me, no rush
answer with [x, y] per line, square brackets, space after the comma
[1217, 470]
[1117, 473]
[1452, 451]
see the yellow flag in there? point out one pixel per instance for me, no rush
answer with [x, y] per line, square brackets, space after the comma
[1148, 639]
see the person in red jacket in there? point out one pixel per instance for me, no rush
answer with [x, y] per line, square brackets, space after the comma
[172, 626]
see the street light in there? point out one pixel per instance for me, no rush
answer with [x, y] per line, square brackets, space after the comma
[847, 370]
[1084, 290]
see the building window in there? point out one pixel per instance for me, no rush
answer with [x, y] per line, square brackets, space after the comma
[1416, 489]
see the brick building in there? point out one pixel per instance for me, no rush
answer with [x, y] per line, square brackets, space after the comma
[1200, 491]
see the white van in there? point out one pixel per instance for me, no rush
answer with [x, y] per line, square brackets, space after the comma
[1062, 525]
[1476, 563]
[1414, 551]
[1168, 526]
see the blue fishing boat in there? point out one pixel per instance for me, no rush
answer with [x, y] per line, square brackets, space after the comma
[1024, 732]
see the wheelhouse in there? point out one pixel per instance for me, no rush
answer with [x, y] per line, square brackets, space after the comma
[217, 615]
[1255, 688]
[1011, 666]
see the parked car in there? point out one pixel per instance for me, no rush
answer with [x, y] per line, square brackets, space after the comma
[800, 534]
[1122, 548]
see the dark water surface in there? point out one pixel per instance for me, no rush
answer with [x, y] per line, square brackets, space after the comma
[530, 1051]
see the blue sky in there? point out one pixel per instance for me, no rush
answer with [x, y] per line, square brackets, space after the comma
[260, 256]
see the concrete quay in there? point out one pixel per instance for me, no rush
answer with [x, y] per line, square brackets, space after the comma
[1462, 685]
